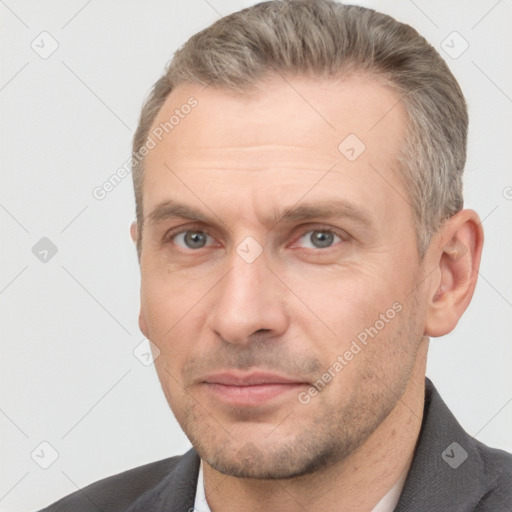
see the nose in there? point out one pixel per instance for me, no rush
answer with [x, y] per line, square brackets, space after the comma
[248, 303]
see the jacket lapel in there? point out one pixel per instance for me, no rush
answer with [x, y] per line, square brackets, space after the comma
[176, 492]
[446, 473]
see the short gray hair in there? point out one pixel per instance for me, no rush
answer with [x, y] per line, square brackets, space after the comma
[322, 39]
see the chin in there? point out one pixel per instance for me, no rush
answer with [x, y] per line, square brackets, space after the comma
[268, 463]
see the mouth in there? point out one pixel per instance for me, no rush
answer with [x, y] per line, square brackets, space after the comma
[250, 389]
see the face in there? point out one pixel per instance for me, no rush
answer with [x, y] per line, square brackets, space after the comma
[280, 271]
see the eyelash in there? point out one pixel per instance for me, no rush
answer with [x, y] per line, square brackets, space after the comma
[168, 237]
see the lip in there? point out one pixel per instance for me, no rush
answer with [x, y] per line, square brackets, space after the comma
[255, 378]
[249, 389]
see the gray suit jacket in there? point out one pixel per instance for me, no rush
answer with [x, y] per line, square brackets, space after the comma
[451, 472]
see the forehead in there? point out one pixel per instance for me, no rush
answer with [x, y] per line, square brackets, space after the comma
[318, 114]
[283, 136]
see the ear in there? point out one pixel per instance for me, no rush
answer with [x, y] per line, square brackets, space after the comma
[456, 258]
[133, 231]
[142, 320]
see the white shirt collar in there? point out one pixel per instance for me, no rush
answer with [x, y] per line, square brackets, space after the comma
[200, 504]
[386, 504]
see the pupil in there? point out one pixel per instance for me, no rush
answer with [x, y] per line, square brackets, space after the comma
[195, 239]
[322, 239]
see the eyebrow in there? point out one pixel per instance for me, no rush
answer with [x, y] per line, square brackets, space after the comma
[331, 208]
[168, 210]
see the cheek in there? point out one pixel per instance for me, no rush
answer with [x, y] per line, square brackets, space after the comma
[374, 355]
[164, 299]
[345, 301]
[368, 325]
[174, 390]
[166, 313]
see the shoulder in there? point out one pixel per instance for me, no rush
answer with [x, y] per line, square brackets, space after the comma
[117, 492]
[497, 468]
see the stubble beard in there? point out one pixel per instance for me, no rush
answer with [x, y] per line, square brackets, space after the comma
[299, 446]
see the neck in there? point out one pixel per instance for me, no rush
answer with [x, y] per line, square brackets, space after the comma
[357, 483]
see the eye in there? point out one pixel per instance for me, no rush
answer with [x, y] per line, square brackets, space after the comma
[192, 239]
[319, 239]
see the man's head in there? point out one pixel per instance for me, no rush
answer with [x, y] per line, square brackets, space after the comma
[297, 231]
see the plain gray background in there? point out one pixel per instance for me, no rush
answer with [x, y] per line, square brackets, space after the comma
[69, 375]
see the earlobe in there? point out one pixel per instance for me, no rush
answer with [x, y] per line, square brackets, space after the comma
[457, 256]
[143, 326]
[133, 231]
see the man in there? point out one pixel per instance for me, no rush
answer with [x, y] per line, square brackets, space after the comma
[301, 234]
